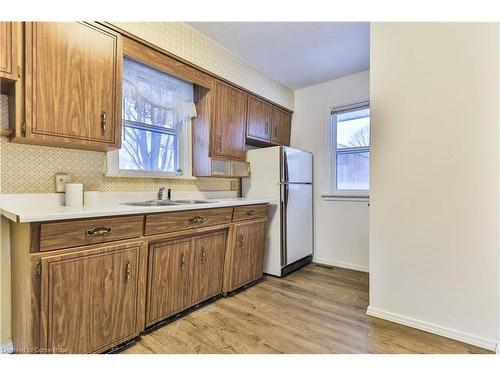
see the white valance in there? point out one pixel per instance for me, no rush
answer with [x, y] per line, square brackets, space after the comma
[152, 90]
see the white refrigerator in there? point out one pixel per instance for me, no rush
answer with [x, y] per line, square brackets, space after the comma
[285, 175]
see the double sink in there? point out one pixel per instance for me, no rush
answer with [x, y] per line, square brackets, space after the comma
[167, 202]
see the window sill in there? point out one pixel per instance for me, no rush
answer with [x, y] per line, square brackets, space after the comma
[149, 175]
[345, 198]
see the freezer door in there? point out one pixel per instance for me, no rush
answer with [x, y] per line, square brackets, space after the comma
[297, 222]
[296, 165]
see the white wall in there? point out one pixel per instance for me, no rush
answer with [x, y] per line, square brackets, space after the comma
[341, 228]
[434, 216]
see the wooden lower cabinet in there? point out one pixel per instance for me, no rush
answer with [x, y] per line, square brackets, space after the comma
[208, 266]
[184, 272]
[89, 299]
[170, 274]
[244, 262]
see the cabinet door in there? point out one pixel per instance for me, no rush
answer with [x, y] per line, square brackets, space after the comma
[282, 124]
[170, 278]
[89, 299]
[248, 253]
[208, 266]
[8, 50]
[73, 84]
[259, 119]
[228, 135]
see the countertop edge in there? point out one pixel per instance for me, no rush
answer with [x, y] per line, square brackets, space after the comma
[17, 215]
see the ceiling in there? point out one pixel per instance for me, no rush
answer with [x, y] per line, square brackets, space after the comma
[296, 54]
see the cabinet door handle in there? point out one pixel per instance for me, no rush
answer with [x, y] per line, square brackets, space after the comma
[275, 132]
[241, 241]
[98, 231]
[128, 271]
[203, 255]
[219, 142]
[251, 212]
[181, 263]
[104, 123]
[266, 128]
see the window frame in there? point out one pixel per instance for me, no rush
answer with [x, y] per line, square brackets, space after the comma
[182, 145]
[343, 194]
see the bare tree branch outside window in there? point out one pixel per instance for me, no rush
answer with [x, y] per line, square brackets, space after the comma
[153, 109]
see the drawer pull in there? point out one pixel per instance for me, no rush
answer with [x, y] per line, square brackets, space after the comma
[197, 220]
[128, 271]
[251, 212]
[99, 231]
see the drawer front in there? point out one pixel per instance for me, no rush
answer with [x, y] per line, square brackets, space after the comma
[183, 220]
[250, 212]
[87, 232]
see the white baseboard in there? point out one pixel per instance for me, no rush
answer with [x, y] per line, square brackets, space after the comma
[7, 348]
[341, 264]
[433, 328]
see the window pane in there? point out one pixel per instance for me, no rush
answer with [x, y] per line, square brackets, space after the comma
[353, 129]
[147, 150]
[353, 171]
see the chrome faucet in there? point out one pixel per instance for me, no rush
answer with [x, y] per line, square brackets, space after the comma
[159, 196]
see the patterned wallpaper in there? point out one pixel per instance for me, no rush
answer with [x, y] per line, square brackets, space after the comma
[189, 44]
[30, 169]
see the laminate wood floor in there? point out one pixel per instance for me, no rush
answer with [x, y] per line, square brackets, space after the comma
[317, 309]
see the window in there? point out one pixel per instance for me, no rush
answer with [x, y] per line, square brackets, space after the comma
[351, 150]
[156, 114]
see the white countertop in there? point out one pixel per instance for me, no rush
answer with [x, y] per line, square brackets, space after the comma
[47, 207]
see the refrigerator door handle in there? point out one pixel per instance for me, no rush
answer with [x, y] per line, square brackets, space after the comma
[286, 194]
[285, 165]
[284, 203]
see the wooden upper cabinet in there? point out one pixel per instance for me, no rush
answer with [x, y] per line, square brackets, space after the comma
[89, 299]
[282, 125]
[9, 44]
[73, 85]
[228, 131]
[259, 117]
[208, 266]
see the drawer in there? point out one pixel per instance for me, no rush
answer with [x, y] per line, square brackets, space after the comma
[250, 212]
[66, 234]
[183, 220]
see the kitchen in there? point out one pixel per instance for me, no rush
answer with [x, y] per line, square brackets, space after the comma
[176, 188]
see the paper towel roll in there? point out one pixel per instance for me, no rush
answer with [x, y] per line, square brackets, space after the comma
[90, 198]
[74, 194]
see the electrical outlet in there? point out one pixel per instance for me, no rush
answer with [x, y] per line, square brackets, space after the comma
[61, 180]
[234, 185]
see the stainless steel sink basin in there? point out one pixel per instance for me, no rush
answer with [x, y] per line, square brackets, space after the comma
[192, 201]
[151, 203]
[167, 202]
